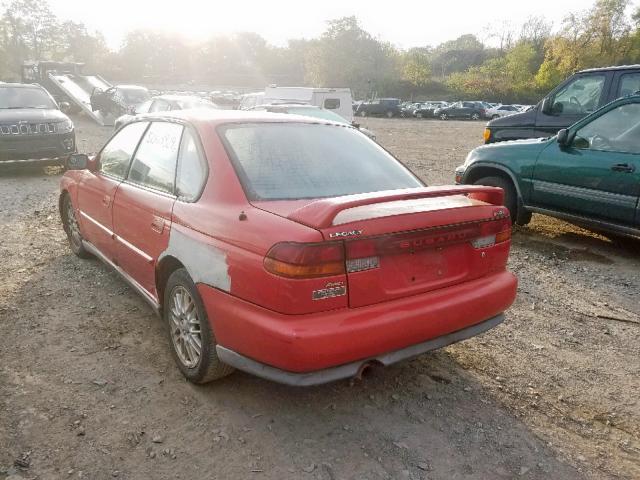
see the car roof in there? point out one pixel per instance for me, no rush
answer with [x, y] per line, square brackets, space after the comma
[220, 117]
[605, 69]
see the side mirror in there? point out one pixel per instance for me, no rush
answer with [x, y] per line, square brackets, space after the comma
[546, 106]
[355, 124]
[65, 107]
[81, 161]
[563, 137]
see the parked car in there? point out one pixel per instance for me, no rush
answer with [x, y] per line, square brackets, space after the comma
[32, 127]
[388, 107]
[165, 103]
[428, 110]
[299, 251]
[118, 100]
[588, 174]
[312, 111]
[408, 109]
[575, 98]
[502, 111]
[470, 110]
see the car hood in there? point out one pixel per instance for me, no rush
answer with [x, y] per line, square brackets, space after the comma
[31, 115]
[517, 119]
[502, 151]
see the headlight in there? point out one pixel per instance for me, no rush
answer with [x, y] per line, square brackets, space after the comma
[65, 126]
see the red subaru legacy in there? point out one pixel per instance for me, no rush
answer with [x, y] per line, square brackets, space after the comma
[292, 248]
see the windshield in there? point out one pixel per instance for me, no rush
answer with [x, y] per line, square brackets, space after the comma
[135, 96]
[318, 113]
[25, 98]
[287, 161]
[187, 103]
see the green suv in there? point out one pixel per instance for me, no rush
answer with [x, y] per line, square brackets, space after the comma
[588, 174]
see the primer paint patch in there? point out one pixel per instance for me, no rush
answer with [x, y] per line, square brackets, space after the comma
[204, 262]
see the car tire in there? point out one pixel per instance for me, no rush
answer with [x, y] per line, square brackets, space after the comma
[187, 325]
[444, 116]
[419, 115]
[363, 113]
[518, 215]
[475, 116]
[390, 114]
[72, 227]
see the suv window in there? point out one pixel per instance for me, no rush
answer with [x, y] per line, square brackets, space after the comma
[580, 96]
[629, 84]
[331, 103]
[192, 168]
[302, 160]
[116, 154]
[618, 130]
[154, 164]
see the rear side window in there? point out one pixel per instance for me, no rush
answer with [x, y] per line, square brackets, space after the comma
[192, 168]
[116, 154]
[331, 103]
[154, 164]
[629, 84]
[299, 160]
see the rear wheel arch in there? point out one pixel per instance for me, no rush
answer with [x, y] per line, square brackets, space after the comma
[166, 266]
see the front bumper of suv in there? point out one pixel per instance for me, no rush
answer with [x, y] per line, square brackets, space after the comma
[36, 148]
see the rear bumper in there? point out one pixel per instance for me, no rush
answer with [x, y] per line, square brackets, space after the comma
[350, 369]
[312, 342]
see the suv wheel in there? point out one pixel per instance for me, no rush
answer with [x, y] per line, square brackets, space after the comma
[363, 113]
[444, 116]
[193, 344]
[72, 228]
[389, 114]
[518, 215]
[475, 116]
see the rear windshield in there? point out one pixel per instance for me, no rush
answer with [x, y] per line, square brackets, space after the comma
[286, 161]
[22, 97]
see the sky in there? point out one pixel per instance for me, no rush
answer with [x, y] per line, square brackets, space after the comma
[403, 23]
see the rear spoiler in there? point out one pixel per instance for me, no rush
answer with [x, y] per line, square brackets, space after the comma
[320, 214]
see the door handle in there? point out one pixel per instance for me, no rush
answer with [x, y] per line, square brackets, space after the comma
[106, 200]
[623, 167]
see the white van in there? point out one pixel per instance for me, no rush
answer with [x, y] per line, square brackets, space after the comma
[339, 100]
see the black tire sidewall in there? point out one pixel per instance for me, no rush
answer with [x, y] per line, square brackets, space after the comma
[510, 194]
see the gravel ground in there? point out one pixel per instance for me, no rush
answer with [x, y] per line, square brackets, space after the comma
[88, 388]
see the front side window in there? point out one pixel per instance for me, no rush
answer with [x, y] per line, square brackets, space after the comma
[154, 164]
[618, 130]
[579, 97]
[116, 155]
[300, 160]
[192, 169]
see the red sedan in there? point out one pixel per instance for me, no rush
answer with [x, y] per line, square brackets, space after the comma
[292, 248]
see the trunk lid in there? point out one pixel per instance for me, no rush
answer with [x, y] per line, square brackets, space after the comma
[408, 242]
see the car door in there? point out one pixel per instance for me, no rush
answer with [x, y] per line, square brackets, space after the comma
[580, 96]
[144, 202]
[97, 189]
[598, 174]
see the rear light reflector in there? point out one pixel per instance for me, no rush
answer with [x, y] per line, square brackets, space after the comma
[503, 236]
[306, 260]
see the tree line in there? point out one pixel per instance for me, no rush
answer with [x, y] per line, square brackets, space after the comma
[517, 64]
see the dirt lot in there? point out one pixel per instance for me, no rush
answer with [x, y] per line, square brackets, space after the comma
[88, 388]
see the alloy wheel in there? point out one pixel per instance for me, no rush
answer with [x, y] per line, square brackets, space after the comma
[186, 334]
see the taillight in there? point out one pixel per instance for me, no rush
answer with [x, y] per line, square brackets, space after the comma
[306, 260]
[492, 233]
